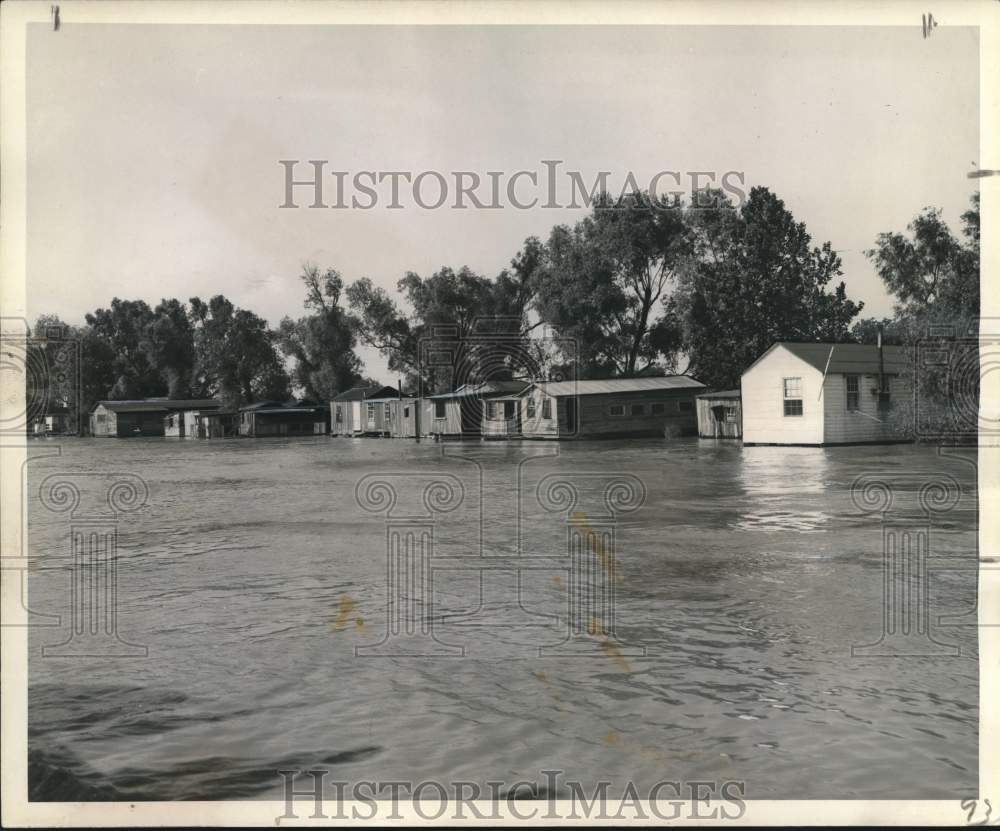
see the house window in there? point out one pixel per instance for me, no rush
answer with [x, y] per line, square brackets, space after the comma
[491, 410]
[659, 408]
[685, 406]
[387, 412]
[730, 414]
[370, 408]
[508, 410]
[531, 408]
[339, 415]
[638, 409]
[406, 412]
[617, 410]
[792, 388]
[547, 408]
[853, 393]
[102, 418]
[439, 409]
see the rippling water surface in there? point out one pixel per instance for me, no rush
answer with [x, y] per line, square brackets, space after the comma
[742, 582]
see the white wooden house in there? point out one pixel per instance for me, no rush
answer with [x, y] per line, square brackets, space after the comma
[825, 393]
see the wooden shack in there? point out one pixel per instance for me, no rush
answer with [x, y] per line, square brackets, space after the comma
[464, 412]
[142, 417]
[654, 406]
[349, 417]
[404, 416]
[502, 415]
[218, 424]
[274, 418]
[720, 415]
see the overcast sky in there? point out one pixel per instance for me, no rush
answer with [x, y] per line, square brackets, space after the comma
[153, 150]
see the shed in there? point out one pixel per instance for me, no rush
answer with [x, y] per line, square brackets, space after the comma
[719, 415]
[274, 418]
[349, 418]
[825, 393]
[651, 406]
[404, 416]
[142, 417]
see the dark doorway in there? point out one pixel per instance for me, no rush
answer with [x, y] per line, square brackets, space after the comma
[570, 415]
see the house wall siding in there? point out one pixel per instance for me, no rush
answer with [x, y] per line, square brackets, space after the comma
[711, 428]
[594, 417]
[842, 426]
[450, 425]
[764, 421]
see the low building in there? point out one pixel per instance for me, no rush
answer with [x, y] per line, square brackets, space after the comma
[825, 393]
[55, 422]
[502, 415]
[653, 406]
[719, 415]
[348, 416]
[143, 417]
[274, 418]
[464, 412]
[404, 418]
[218, 424]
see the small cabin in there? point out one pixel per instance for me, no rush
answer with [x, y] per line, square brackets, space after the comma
[653, 406]
[466, 412]
[348, 416]
[719, 415]
[217, 424]
[274, 418]
[825, 393]
[143, 417]
[404, 418]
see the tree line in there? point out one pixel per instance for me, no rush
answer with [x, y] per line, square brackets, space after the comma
[639, 286]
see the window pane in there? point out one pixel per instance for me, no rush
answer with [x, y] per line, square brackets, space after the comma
[793, 387]
[547, 408]
[617, 409]
[793, 407]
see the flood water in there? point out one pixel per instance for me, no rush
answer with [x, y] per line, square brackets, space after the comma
[251, 574]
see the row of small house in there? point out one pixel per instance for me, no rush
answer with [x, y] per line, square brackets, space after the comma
[795, 393]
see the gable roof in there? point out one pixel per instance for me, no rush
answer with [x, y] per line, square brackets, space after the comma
[159, 405]
[364, 392]
[619, 385]
[846, 358]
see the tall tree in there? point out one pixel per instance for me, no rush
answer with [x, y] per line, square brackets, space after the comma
[236, 354]
[322, 344]
[480, 324]
[754, 279]
[929, 270]
[123, 327]
[168, 343]
[600, 283]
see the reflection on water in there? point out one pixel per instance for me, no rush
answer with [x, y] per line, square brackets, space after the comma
[741, 584]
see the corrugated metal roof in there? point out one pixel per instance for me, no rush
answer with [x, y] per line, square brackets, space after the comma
[363, 393]
[619, 385]
[850, 358]
[153, 405]
[722, 394]
[488, 389]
